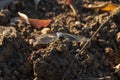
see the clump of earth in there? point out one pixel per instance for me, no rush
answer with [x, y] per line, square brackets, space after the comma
[20, 60]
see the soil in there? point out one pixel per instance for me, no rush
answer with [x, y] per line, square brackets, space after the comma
[20, 60]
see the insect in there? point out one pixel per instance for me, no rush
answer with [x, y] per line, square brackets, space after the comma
[48, 38]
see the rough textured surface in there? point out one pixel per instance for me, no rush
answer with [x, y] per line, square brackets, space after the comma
[19, 60]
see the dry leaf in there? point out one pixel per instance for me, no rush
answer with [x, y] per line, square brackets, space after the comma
[109, 7]
[69, 2]
[39, 23]
[104, 6]
[24, 16]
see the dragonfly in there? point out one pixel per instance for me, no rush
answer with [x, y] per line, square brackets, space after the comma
[48, 38]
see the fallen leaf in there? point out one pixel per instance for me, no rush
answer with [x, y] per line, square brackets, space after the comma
[109, 7]
[24, 16]
[39, 23]
[104, 6]
[68, 1]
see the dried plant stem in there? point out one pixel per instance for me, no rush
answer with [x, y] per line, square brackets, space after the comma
[73, 8]
[97, 6]
[116, 12]
[74, 11]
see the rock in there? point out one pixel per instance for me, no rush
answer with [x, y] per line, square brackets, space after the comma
[31, 41]
[45, 30]
[118, 37]
[117, 69]
[77, 22]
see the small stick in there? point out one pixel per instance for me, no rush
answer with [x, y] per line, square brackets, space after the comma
[74, 11]
[115, 12]
[96, 6]
[73, 7]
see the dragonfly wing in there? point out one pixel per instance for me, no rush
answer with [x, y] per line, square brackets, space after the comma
[45, 39]
[74, 37]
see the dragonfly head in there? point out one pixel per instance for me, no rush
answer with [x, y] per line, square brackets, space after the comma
[59, 35]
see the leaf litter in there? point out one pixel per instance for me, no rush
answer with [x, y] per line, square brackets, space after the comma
[104, 6]
[37, 23]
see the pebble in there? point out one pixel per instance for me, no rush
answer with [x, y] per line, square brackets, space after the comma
[108, 50]
[77, 22]
[117, 69]
[118, 37]
[31, 41]
[45, 30]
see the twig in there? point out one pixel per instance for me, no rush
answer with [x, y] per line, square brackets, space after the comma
[115, 12]
[96, 6]
[74, 11]
[101, 78]
[73, 7]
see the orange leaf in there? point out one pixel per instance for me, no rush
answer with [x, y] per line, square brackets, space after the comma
[39, 23]
[69, 1]
[104, 6]
[109, 7]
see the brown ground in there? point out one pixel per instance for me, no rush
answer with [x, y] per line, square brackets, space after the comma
[21, 61]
